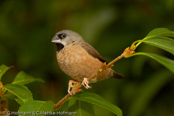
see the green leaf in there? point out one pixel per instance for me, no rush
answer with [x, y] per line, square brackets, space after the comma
[164, 43]
[22, 78]
[9, 95]
[36, 107]
[148, 89]
[168, 63]
[160, 32]
[21, 92]
[80, 108]
[161, 38]
[99, 101]
[20, 101]
[3, 69]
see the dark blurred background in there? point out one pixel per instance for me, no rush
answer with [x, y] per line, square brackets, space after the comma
[27, 27]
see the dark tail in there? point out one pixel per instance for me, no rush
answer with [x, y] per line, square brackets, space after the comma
[117, 75]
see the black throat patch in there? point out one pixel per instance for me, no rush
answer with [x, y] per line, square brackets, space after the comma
[59, 46]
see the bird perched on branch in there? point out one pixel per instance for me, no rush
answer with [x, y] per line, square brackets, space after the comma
[79, 60]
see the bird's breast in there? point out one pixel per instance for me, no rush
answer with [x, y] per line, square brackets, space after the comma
[77, 63]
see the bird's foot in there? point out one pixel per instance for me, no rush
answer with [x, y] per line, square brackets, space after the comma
[85, 83]
[70, 86]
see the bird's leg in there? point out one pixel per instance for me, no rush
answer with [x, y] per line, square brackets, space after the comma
[85, 83]
[70, 85]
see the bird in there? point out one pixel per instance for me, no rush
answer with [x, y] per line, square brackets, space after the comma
[79, 60]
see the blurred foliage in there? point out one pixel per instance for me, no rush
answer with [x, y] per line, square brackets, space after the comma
[27, 27]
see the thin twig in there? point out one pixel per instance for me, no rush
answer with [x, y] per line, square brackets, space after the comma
[76, 89]
[59, 103]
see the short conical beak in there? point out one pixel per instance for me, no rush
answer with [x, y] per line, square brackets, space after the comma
[56, 40]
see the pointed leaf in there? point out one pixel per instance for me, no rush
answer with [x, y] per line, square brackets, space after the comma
[22, 92]
[163, 42]
[3, 69]
[160, 32]
[22, 78]
[168, 63]
[36, 107]
[159, 37]
[99, 101]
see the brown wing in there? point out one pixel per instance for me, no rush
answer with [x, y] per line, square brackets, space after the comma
[92, 51]
[95, 54]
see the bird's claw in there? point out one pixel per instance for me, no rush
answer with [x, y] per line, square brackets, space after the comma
[70, 85]
[85, 83]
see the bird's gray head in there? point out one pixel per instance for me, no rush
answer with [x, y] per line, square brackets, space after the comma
[66, 38]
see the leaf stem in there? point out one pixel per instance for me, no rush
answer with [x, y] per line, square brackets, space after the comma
[136, 43]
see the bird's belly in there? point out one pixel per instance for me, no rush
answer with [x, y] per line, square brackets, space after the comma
[78, 65]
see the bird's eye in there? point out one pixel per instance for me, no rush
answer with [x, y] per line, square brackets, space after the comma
[62, 35]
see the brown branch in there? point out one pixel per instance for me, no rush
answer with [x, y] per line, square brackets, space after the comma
[76, 89]
[59, 103]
